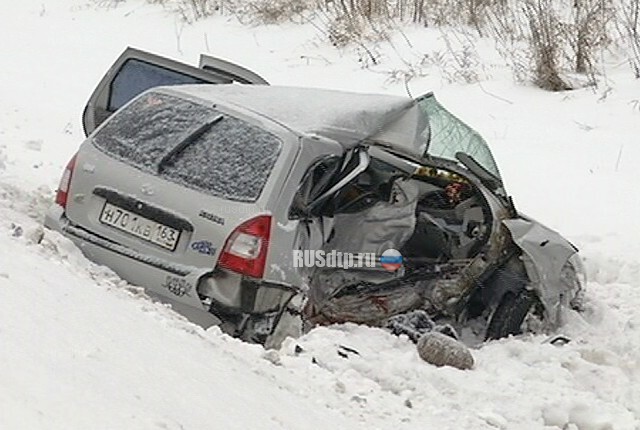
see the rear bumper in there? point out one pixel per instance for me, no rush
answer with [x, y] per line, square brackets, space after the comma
[170, 283]
[178, 285]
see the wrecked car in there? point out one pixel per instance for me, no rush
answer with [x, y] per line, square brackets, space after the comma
[213, 190]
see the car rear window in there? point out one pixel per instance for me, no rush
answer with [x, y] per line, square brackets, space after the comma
[232, 159]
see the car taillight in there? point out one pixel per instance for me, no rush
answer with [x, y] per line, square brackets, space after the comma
[65, 182]
[245, 251]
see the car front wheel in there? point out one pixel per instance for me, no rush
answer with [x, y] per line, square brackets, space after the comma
[511, 313]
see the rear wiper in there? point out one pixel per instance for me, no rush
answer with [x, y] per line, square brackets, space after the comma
[187, 140]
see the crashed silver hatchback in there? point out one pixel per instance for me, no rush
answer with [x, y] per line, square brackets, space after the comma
[267, 210]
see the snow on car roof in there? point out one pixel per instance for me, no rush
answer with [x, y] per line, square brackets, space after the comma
[347, 117]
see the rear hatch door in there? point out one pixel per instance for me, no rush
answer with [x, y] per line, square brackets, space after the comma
[171, 177]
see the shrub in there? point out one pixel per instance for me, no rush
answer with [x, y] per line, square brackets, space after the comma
[546, 42]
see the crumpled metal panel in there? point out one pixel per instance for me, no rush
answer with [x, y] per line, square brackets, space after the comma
[545, 253]
[386, 225]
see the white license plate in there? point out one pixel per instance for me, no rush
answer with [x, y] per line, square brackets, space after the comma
[139, 226]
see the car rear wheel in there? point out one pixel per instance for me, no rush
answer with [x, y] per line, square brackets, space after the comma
[513, 313]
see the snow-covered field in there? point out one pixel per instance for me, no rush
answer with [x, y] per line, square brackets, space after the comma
[80, 349]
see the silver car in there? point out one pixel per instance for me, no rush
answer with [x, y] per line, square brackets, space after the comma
[226, 197]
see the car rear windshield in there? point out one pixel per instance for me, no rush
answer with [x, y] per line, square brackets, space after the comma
[192, 144]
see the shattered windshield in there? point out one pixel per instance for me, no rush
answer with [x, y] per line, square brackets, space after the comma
[448, 135]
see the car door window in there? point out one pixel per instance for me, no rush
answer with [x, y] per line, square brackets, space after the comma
[136, 71]
[135, 77]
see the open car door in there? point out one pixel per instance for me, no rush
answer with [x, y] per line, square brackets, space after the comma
[136, 71]
[230, 71]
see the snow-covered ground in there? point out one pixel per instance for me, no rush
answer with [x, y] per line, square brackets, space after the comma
[81, 349]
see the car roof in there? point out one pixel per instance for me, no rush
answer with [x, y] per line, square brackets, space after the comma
[346, 117]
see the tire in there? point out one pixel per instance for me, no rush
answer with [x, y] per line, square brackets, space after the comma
[510, 314]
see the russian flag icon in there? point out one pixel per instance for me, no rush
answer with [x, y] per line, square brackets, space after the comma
[391, 259]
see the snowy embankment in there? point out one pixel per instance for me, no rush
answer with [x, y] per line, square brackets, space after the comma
[81, 349]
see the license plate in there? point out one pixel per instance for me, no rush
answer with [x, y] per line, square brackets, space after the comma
[139, 226]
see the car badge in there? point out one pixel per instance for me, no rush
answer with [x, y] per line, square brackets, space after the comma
[147, 190]
[204, 247]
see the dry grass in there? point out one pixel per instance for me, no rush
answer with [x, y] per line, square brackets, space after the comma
[544, 41]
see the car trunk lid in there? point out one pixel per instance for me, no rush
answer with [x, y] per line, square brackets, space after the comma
[171, 178]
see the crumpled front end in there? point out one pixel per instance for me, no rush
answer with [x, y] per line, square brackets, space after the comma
[554, 268]
[370, 300]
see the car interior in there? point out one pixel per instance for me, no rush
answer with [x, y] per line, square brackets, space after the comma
[452, 218]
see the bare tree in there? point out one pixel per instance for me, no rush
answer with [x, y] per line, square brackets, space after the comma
[629, 25]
